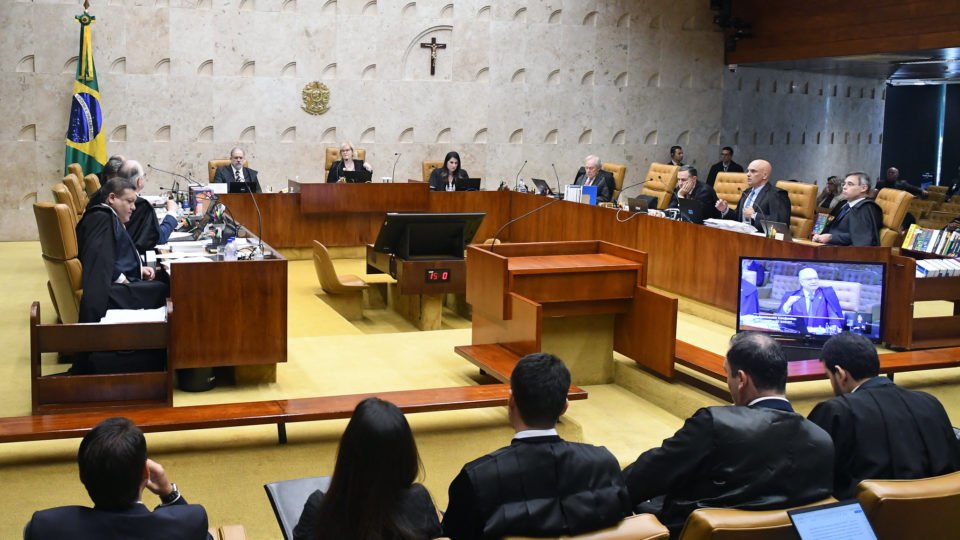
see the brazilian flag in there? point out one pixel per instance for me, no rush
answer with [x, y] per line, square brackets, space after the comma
[86, 142]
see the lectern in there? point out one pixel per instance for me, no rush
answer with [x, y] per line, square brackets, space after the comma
[578, 300]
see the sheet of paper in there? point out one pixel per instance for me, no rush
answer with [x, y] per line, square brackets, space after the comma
[135, 315]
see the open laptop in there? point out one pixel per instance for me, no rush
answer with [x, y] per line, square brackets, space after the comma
[691, 210]
[467, 184]
[241, 187]
[357, 177]
[773, 229]
[642, 203]
[542, 186]
[838, 520]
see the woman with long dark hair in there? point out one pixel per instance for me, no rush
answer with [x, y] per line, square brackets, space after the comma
[372, 494]
[445, 178]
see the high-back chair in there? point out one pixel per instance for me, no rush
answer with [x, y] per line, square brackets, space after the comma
[619, 172]
[215, 164]
[56, 224]
[730, 186]
[925, 508]
[344, 293]
[637, 527]
[75, 169]
[731, 524]
[660, 183]
[76, 190]
[894, 203]
[428, 167]
[803, 207]
[62, 195]
[333, 154]
[91, 184]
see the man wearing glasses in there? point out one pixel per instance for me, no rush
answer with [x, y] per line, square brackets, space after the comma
[858, 221]
[236, 172]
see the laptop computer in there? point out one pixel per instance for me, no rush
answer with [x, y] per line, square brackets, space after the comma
[691, 210]
[838, 520]
[467, 184]
[774, 229]
[241, 187]
[357, 177]
[642, 203]
[542, 186]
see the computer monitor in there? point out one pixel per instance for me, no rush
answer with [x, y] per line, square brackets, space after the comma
[427, 235]
[241, 187]
[467, 184]
[809, 300]
[357, 177]
[691, 210]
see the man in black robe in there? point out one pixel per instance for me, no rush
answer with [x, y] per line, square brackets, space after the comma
[592, 174]
[688, 187]
[857, 222]
[540, 485]
[755, 455]
[879, 430]
[760, 201]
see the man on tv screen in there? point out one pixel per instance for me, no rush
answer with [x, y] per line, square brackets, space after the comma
[817, 308]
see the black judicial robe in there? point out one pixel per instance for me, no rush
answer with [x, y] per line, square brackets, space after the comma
[539, 486]
[604, 181]
[859, 226]
[772, 204]
[882, 431]
[761, 457]
[176, 520]
[143, 226]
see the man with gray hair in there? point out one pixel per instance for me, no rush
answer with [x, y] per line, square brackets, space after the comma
[144, 226]
[592, 174]
[236, 171]
[856, 222]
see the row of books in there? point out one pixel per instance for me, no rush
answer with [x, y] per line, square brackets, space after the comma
[938, 268]
[935, 241]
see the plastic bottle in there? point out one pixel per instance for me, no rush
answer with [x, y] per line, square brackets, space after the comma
[230, 252]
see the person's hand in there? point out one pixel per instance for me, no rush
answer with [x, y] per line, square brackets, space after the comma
[147, 273]
[790, 302]
[157, 482]
[722, 206]
[749, 212]
[822, 238]
[367, 166]
[656, 213]
[171, 206]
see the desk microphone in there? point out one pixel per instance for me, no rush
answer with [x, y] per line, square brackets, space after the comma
[393, 173]
[176, 175]
[557, 176]
[517, 181]
[259, 225]
[493, 244]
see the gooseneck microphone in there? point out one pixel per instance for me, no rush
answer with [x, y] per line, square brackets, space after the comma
[517, 180]
[259, 225]
[393, 173]
[176, 175]
[557, 176]
[516, 219]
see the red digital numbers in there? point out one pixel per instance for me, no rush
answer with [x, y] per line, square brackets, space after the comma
[437, 275]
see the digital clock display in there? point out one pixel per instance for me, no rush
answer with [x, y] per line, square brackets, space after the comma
[438, 275]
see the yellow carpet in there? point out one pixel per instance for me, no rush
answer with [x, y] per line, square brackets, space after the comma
[225, 469]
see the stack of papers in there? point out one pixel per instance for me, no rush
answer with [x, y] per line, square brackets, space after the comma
[114, 316]
[730, 225]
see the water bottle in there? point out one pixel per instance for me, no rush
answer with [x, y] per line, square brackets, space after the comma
[230, 252]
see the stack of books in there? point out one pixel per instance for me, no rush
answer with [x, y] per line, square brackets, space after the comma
[933, 241]
[928, 268]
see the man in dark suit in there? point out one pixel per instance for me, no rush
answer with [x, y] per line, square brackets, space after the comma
[726, 164]
[756, 455]
[879, 430]
[760, 200]
[689, 188]
[749, 298]
[540, 485]
[114, 468]
[593, 175]
[858, 221]
[817, 307]
[676, 156]
[236, 172]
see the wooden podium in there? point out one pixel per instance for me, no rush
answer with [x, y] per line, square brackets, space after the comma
[578, 300]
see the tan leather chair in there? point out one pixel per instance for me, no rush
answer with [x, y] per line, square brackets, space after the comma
[215, 164]
[920, 208]
[803, 207]
[62, 195]
[56, 225]
[76, 190]
[333, 154]
[925, 508]
[91, 184]
[75, 169]
[619, 172]
[936, 196]
[949, 208]
[428, 167]
[660, 183]
[344, 293]
[638, 527]
[937, 220]
[938, 189]
[848, 293]
[228, 532]
[894, 204]
[730, 186]
[731, 524]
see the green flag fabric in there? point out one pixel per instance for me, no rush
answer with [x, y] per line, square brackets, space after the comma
[86, 141]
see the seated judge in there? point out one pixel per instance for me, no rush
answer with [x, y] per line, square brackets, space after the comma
[818, 307]
[858, 221]
[539, 485]
[115, 469]
[760, 201]
[236, 172]
[143, 226]
[346, 163]
[445, 178]
[879, 429]
[113, 275]
[592, 174]
[757, 454]
[726, 164]
[688, 187]
[373, 492]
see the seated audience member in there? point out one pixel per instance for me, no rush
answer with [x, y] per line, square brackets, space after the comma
[592, 174]
[346, 163]
[818, 307]
[893, 181]
[754, 455]
[858, 221]
[726, 164]
[676, 156]
[115, 469]
[540, 485]
[113, 276]
[760, 201]
[445, 178]
[372, 493]
[879, 429]
[688, 187]
[236, 172]
[830, 196]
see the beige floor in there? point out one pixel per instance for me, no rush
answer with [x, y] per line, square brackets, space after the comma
[225, 469]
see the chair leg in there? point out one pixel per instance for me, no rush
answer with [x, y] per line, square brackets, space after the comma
[282, 433]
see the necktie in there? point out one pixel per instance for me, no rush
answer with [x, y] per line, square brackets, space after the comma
[752, 197]
[843, 212]
[236, 174]
[589, 182]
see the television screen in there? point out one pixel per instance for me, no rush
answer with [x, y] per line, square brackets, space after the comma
[427, 235]
[810, 299]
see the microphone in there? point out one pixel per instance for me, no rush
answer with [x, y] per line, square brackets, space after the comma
[172, 189]
[176, 175]
[493, 244]
[259, 249]
[559, 191]
[339, 171]
[517, 181]
[393, 178]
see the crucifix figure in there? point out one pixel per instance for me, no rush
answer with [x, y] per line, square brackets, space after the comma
[433, 46]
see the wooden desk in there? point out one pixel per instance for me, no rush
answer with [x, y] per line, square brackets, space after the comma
[318, 198]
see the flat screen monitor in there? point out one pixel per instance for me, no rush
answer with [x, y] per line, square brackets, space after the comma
[809, 300]
[427, 235]
[241, 187]
[357, 177]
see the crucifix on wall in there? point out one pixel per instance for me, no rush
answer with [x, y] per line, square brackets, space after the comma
[433, 46]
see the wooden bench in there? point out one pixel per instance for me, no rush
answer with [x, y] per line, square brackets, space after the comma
[280, 412]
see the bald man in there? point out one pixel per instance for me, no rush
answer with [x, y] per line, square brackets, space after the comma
[760, 201]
